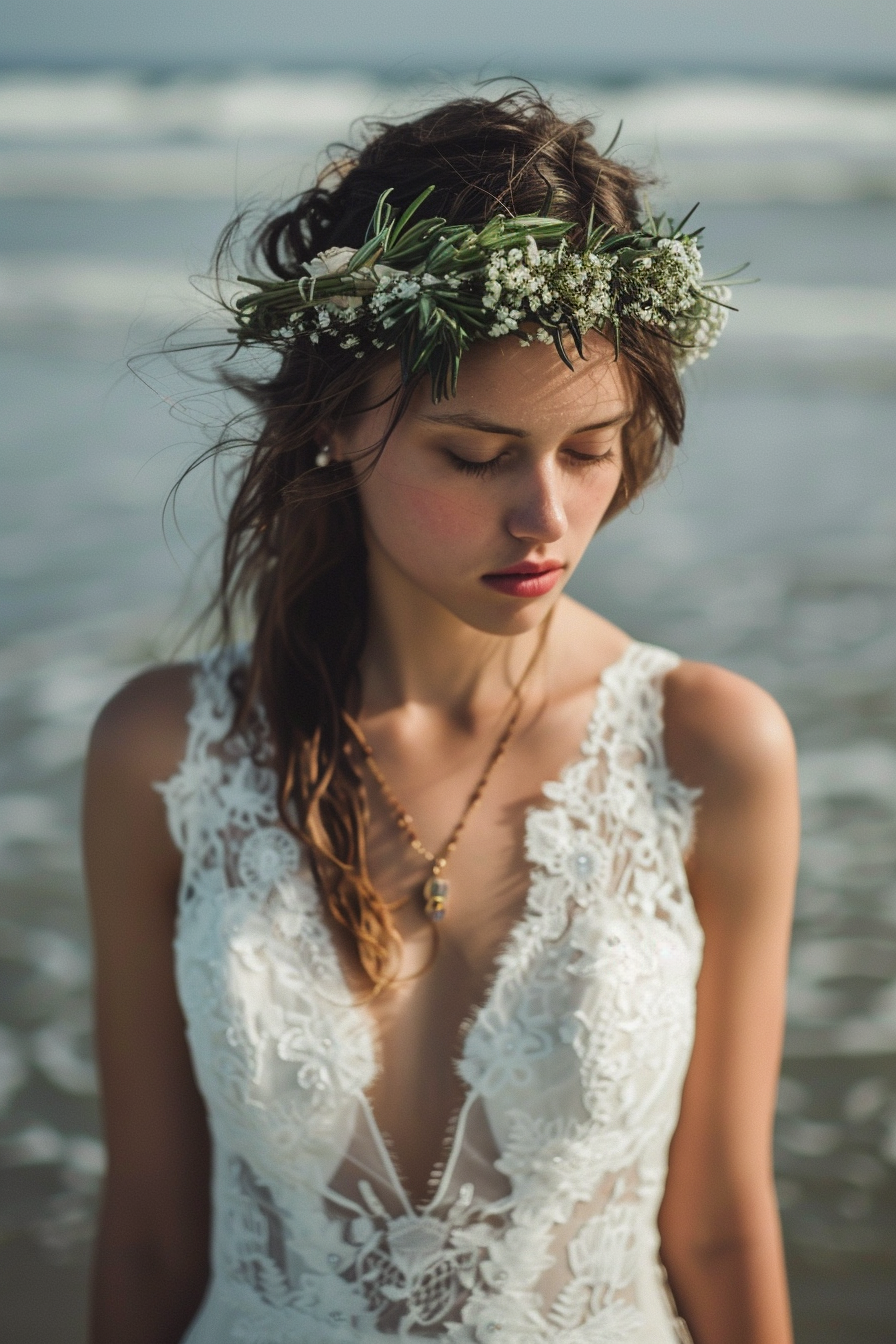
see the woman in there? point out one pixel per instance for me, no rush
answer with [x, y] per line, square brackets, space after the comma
[394, 1034]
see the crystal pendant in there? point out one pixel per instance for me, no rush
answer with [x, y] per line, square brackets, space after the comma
[435, 894]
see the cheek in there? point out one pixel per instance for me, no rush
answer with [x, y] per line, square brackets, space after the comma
[588, 500]
[402, 511]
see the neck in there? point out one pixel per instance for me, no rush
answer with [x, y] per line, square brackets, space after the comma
[419, 652]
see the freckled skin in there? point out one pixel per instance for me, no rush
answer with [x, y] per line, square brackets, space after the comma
[441, 529]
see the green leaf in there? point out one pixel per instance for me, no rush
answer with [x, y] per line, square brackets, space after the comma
[381, 215]
[413, 208]
[557, 333]
[684, 221]
[612, 145]
[366, 253]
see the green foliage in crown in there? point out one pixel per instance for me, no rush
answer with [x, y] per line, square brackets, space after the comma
[430, 289]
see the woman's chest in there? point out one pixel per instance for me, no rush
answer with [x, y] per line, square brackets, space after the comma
[434, 805]
[588, 1014]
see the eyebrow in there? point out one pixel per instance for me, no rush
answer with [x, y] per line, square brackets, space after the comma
[461, 420]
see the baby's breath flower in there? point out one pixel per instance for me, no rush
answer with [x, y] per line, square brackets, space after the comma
[697, 332]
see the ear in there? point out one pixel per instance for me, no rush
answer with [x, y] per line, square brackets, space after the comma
[329, 440]
[351, 434]
[336, 440]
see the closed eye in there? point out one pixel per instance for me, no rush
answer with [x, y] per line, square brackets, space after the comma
[469, 468]
[589, 459]
[493, 464]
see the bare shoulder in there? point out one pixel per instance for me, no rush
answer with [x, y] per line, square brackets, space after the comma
[731, 740]
[131, 860]
[140, 734]
[723, 732]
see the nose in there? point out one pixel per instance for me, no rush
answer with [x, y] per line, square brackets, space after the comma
[538, 514]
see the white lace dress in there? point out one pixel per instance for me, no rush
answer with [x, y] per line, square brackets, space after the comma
[543, 1227]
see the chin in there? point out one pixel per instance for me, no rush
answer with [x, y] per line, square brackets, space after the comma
[498, 616]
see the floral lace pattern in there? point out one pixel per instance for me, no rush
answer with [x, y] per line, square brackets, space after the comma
[542, 1228]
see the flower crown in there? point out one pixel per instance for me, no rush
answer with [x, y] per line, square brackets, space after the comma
[430, 289]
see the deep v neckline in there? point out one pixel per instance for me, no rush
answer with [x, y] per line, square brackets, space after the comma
[440, 1175]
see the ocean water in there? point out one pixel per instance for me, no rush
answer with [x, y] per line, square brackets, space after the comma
[770, 547]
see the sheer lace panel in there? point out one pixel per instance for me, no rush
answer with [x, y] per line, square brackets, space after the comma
[543, 1223]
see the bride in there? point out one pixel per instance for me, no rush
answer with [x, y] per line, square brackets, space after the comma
[441, 929]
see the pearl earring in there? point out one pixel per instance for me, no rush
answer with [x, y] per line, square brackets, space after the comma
[323, 457]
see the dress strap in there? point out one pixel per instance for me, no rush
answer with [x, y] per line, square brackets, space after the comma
[209, 719]
[637, 686]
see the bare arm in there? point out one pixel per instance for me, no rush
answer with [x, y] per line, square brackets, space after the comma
[151, 1260]
[721, 1240]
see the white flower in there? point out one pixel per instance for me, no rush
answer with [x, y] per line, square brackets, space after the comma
[698, 329]
[334, 261]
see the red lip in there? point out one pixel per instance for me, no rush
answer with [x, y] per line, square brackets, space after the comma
[529, 578]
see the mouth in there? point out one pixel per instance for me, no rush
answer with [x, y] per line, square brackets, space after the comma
[529, 578]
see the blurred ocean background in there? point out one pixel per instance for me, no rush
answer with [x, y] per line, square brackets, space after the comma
[770, 548]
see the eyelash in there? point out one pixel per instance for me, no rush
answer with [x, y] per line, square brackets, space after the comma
[476, 468]
[489, 468]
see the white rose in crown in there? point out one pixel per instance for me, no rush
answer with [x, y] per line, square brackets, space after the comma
[335, 261]
[332, 262]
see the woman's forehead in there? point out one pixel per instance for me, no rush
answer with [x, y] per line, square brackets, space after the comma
[517, 387]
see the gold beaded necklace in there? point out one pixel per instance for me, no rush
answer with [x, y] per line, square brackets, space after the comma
[435, 889]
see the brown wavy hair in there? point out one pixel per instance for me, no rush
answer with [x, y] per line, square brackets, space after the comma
[294, 548]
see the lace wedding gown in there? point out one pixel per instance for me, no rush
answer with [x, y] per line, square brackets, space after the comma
[542, 1228]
